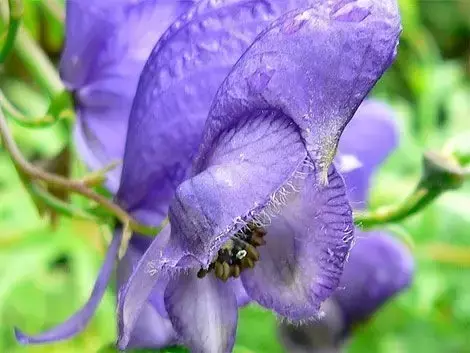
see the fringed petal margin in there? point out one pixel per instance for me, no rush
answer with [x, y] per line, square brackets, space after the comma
[306, 249]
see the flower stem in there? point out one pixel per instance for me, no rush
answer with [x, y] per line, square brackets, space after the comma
[34, 59]
[440, 174]
[16, 13]
[416, 201]
[38, 64]
[30, 172]
[98, 177]
[17, 116]
[54, 8]
[55, 203]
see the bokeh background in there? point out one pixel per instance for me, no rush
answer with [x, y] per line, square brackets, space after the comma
[47, 272]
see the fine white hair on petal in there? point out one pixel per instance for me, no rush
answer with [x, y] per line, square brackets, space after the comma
[262, 216]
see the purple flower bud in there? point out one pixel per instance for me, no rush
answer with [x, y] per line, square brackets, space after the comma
[379, 267]
[366, 142]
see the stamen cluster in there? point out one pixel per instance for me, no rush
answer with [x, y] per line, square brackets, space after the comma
[238, 254]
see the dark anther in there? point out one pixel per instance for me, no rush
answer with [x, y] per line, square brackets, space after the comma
[238, 254]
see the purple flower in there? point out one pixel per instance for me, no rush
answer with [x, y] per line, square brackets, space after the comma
[262, 204]
[261, 185]
[379, 266]
[367, 141]
[107, 44]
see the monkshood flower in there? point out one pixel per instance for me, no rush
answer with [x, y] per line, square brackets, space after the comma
[379, 266]
[304, 122]
[262, 206]
[107, 43]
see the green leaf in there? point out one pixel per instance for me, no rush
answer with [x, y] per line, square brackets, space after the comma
[257, 331]
[112, 349]
[242, 349]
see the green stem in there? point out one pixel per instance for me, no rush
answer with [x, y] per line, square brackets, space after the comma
[30, 172]
[98, 177]
[418, 200]
[54, 8]
[440, 174]
[16, 13]
[36, 61]
[56, 204]
[38, 64]
[447, 254]
[17, 116]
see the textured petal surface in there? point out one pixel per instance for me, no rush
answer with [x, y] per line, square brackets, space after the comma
[245, 167]
[306, 249]
[203, 312]
[379, 267]
[145, 285]
[102, 62]
[367, 141]
[316, 66]
[176, 90]
[173, 101]
[77, 323]
[151, 329]
[239, 291]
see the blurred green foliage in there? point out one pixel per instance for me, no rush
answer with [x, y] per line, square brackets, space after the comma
[46, 273]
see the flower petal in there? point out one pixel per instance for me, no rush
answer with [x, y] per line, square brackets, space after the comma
[151, 270]
[102, 62]
[176, 90]
[151, 330]
[316, 66]
[306, 249]
[239, 291]
[141, 244]
[77, 323]
[88, 129]
[204, 312]
[379, 267]
[245, 167]
[368, 139]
